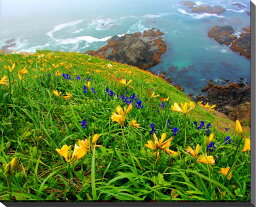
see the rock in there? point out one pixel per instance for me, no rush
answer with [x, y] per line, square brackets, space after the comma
[142, 50]
[242, 45]
[222, 34]
[240, 112]
[8, 45]
[203, 8]
[233, 99]
[239, 5]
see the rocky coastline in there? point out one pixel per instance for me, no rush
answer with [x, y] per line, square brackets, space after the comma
[194, 8]
[142, 50]
[230, 98]
[225, 35]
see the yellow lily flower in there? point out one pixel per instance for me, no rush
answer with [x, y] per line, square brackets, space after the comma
[88, 84]
[206, 159]
[68, 96]
[4, 80]
[185, 107]
[11, 166]
[78, 153]
[210, 138]
[11, 68]
[58, 73]
[239, 128]
[192, 152]
[164, 99]
[135, 124]
[56, 93]
[125, 82]
[247, 145]
[87, 145]
[23, 71]
[20, 77]
[161, 144]
[120, 115]
[207, 106]
[153, 95]
[224, 171]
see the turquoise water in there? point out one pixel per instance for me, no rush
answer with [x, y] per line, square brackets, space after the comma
[191, 59]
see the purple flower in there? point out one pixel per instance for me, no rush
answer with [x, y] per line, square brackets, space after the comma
[228, 140]
[93, 90]
[162, 105]
[139, 105]
[78, 77]
[66, 76]
[153, 130]
[175, 130]
[211, 146]
[85, 89]
[226, 129]
[84, 124]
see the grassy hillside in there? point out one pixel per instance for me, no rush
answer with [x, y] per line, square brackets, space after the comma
[53, 99]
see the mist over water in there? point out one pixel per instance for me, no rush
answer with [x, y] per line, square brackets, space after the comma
[191, 59]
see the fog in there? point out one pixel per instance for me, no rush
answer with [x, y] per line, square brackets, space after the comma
[36, 8]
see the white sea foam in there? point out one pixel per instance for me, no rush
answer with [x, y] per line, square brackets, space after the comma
[62, 26]
[121, 35]
[151, 16]
[238, 11]
[34, 48]
[75, 40]
[137, 27]
[237, 34]
[199, 3]
[100, 24]
[240, 3]
[77, 31]
[223, 50]
[199, 16]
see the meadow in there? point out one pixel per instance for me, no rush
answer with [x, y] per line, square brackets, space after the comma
[79, 128]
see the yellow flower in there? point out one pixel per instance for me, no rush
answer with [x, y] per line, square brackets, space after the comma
[120, 115]
[20, 77]
[11, 68]
[247, 145]
[161, 144]
[4, 80]
[238, 127]
[11, 166]
[224, 171]
[135, 124]
[125, 82]
[87, 145]
[164, 99]
[56, 93]
[153, 95]
[210, 138]
[206, 159]
[88, 84]
[207, 106]
[58, 73]
[23, 71]
[78, 153]
[68, 96]
[192, 152]
[185, 107]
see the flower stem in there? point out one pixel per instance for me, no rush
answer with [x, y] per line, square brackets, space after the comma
[9, 183]
[94, 195]
[185, 143]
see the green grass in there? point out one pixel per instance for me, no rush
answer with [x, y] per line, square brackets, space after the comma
[34, 122]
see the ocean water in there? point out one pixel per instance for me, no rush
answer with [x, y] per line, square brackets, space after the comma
[191, 59]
